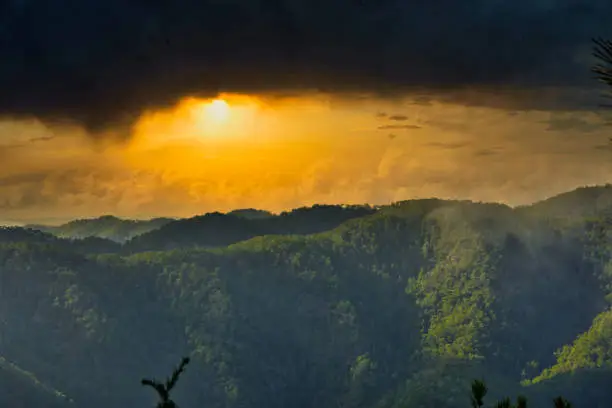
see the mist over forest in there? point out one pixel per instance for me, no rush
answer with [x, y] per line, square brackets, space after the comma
[354, 306]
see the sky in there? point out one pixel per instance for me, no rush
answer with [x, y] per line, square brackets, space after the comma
[161, 108]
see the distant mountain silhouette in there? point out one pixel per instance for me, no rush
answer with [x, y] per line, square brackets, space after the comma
[217, 229]
[251, 213]
[108, 227]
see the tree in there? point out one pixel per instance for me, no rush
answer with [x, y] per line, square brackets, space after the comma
[479, 391]
[603, 52]
[561, 402]
[163, 389]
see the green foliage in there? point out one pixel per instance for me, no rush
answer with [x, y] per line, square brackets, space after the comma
[455, 293]
[388, 308]
[592, 349]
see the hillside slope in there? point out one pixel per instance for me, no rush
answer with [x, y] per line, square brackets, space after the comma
[397, 307]
[107, 227]
[18, 388]
[217, 230]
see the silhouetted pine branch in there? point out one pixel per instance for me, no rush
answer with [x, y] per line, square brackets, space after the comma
[602, 50]
[163, 389]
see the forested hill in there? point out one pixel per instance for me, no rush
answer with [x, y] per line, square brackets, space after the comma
[395, 307]
[107, 227]
[22, 389]
[216, 229]
[208, 230]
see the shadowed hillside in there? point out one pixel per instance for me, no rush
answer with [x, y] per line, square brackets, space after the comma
[19, 388]
[216, 229]
[107, 227]
[353, 307]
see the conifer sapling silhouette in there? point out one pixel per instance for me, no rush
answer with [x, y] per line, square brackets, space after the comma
[163, 389]
[479, 390]
[561, 402]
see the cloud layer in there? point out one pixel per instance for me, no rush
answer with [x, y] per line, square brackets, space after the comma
[101, 63]
[458, 152]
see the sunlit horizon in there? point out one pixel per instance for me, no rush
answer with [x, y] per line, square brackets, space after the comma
[235, 151]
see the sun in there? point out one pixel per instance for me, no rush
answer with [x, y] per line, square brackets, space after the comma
[217, 111]
[226, 118]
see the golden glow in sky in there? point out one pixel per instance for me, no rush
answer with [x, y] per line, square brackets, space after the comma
[238, 151]
[217, 110]
[228, 119]
[214, 116]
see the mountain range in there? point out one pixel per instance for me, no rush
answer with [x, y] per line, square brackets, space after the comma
[329, 306]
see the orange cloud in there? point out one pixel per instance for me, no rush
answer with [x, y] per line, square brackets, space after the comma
[280, 153]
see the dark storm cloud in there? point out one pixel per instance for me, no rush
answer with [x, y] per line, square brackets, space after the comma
[398, 118]
[102, 62]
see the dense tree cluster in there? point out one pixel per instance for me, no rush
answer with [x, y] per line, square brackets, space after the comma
[392, 307]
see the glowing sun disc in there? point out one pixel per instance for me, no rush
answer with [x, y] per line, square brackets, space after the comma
[218, 110]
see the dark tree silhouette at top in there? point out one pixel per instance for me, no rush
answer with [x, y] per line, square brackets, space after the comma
[561, 402]
[603, 70]
[163, 389]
